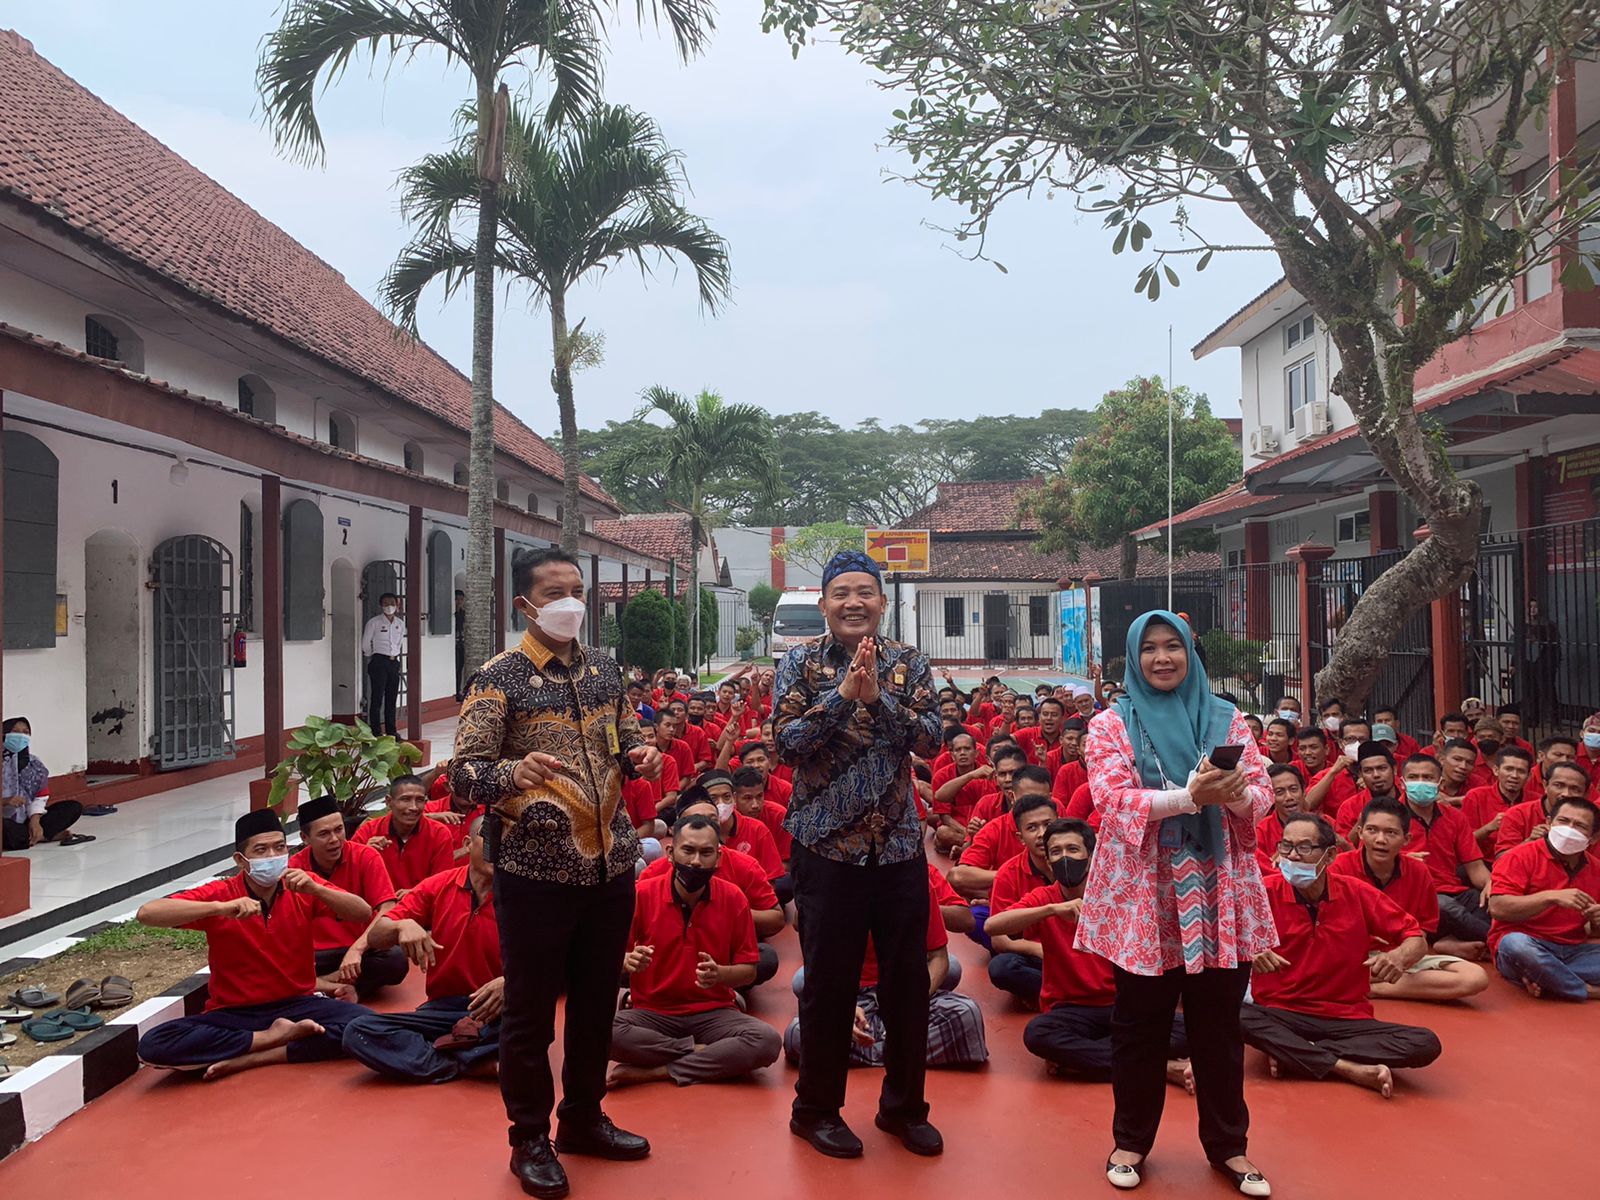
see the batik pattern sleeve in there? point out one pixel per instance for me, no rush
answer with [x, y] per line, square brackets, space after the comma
[908, 715]
[477, 769]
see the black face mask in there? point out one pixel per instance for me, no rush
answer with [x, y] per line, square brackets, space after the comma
[694, 720]
[1070, 872]
[1488, 747]
[691, 877]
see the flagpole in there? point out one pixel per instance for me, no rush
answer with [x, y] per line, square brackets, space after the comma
[1169, 468]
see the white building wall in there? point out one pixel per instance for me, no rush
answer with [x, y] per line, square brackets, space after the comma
[1264, 387]
[924, 624]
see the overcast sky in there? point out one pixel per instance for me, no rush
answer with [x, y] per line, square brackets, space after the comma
[846, 301]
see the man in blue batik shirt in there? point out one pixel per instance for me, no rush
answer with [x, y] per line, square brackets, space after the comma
[849, 711]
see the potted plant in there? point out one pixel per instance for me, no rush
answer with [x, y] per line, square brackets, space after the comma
[744, 641]
[342, 761]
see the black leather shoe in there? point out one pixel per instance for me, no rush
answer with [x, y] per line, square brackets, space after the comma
[829, 1136]
[919, 1137]
[535, 1165]
[601, 1139]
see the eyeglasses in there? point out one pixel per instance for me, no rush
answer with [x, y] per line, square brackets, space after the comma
[1300, 849]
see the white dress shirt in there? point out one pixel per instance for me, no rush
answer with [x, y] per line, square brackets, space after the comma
[385, 635]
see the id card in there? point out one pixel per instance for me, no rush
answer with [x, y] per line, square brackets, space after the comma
[611, 737]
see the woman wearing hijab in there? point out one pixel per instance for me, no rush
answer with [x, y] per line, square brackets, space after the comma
[29, 817]
[1174, 898]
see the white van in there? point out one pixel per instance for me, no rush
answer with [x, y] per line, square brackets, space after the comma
[797, 620]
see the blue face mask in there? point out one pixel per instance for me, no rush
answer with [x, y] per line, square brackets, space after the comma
[1421, 791]
[1298, 874]
[1288, 714]
[267, 871]
[16, 743]
[1591, 742]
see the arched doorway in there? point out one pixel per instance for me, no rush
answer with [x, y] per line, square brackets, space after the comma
[378, 577]
[192, 706]
[345, 644]
[113, 707]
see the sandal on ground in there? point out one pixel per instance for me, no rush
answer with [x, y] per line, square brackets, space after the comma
[75, 839]
[47, 1029]
[76, 1019]
[1249, 1183]
[82, 994]
[33, 997]
[7, 1039]
[1125, 1176]
[5, 1071]
[115, 992]
[99, 810]
[13, 1012]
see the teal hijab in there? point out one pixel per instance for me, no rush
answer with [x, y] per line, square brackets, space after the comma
[1171, 731]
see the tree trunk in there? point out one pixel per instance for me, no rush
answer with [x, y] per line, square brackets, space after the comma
[1130, 558]
[561, 381]
[481, 638]
[694, 575]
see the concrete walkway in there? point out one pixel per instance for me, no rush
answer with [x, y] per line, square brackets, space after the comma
[145, 844]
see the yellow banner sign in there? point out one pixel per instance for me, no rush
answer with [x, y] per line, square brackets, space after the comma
[902, 551]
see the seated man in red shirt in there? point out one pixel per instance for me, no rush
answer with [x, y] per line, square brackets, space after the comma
[1381, 860]
[1554, 751]
[1460, 875]
[1404, 744]
[412, 848]
[1484, 807]
[1546, 912]
[689, 717]
[1589, 750]
[957, 790]
[261, 1009]
[1278, 736]
[343, 958]
[1017, 964]
[1310, 1013]
[446, 925]
[955, 1022]
[1530, 820]
[1457, 759]
[1311, 747]
[1510, 718]
[777, 791]
[1009, 763]
[1044, 737]
[1288, 800]
[1073, 1029]
[693, 944]
[1065, 763]
[743, 833]
[750, 798]
[1375, 765]
[674, 747]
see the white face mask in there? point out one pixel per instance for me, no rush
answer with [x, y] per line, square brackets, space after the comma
[561, 619]
[389, 610]
[1564, 839]
[725, 811]
[1331, 724]
[267, 871]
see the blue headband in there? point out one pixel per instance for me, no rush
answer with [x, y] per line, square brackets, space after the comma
[847, 561]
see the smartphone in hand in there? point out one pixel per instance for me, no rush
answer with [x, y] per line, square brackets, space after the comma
[1226, 758]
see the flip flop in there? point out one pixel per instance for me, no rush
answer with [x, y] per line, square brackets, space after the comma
[13, 1013]
[5, 1071]
[76, 1019]
[33, 997]
[115, 991]
[46, 1029]
[76, 839]
[99, 810]
[7, 1039]
[82, 994]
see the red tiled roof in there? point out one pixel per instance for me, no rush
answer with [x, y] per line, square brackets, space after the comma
[980, 506]
[1015, 560]
[661, 535]
[1232, 499]
[72, 158]
[611, 593]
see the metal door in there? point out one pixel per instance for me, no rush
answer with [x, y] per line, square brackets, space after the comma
[997, 628]
[378, 577]
[1492, 614]
[192, 580]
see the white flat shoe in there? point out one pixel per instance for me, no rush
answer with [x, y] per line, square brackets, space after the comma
[1249, 1183]
[1124, 1176]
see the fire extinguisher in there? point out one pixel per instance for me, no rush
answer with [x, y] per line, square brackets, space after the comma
[238, 648]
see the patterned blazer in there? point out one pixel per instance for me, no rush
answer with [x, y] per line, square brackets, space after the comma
[573, 829]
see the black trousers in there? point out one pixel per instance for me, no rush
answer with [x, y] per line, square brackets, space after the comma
[840, 903]
[555, 937]
[379, 968]
[383, 693]
[53, 822]
[1309, 1046]
[1462, 917]
[1077, 1038]
[1141, 1034]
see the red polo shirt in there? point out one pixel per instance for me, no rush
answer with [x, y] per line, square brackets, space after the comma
[993, 807]
[1037, 749]
[1533, 867]
[772, 816]
[1015, 879]
[1327, 975]
[361, 873]
[260, 959]
[1071, 976]
[944, 896]
[738, 869]
[937, 938]
[1067, 778]
[1449, 843]
[1482, 805]
[719, 925]
[778, 792]
[699, 743]
[460, 834]
[639, 798]
[468, 937]
[1517, 824]
[670, 779]
[1411, 885]
[1081, 807]
[683, 756]
[429, 850]
[967, 799]
[996, 844]
[1350, 813]
[750, 836]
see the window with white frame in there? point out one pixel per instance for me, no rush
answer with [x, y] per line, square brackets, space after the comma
[1355, 527]
[1298, 332]
[1300, 386]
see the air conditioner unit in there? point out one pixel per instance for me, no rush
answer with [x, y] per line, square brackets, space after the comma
[1263, 441]
[1317, 417]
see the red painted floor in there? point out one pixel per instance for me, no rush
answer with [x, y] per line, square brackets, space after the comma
[1513, 1076]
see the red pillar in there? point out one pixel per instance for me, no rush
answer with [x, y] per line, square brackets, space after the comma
[1309, 558]
[779, 565]
[1449, 648]
[498, 609]
[15, 870]
[1383, 511]
[1530, 480]
[415, 585]
[1257, 581]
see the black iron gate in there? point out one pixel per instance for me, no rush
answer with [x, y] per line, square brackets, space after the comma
[1492, 603]
[377, 578]
[192, 581]
[1405, 681]
[1198, 593]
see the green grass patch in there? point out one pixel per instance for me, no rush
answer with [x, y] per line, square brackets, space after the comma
[130, 935]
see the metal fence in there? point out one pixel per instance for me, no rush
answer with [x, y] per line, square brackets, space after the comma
[733, 612]
[1198, 593]
[1254, 649]
[994, 628]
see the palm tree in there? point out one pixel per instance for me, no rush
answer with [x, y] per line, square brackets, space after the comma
[599, 189]
[317, 39]
[708, 438]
